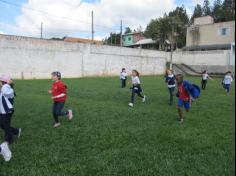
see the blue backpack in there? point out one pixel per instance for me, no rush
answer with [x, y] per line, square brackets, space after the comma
[192, 89]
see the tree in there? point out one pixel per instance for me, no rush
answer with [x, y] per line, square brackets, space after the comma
[217, 11]
[161, 29]
[114, 39]
[228, 9]
[127, 30]
[197, 12]
[206, 8]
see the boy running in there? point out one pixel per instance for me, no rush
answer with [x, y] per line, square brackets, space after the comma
[183, 97]
[59, 95]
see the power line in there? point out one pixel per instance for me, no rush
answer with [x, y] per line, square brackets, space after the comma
[65, 18]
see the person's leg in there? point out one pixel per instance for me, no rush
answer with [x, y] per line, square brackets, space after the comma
[171, 92]
[180, 112]
[202, 83]
[124, 83]
[59, 108]
[228, 88]
[187, 105]
[5, 125]
[132, 96]
[54, 112]
[15, 131]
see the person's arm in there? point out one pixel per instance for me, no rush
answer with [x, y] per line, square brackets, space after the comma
[7, 91]
[59, 96]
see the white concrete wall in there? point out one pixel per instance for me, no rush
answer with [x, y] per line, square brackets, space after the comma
[212, 58]
[30, 58]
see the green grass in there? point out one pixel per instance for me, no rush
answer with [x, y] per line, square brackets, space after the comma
[107, 138]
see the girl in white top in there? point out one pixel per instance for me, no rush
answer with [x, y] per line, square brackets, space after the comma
[227, 81]
[205, 77]
[123, 78]
[136, 89]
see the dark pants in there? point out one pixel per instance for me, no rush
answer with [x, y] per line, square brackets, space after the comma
[227, 87]
[5, 124]
[136, 90]
[57, 110]
[123, 83]
[171, 91]
[204, 83]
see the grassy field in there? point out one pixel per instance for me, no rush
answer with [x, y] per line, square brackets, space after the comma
[107, 138]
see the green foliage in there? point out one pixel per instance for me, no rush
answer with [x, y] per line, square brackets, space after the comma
[221, 11]
[107, 138]
[161, 28]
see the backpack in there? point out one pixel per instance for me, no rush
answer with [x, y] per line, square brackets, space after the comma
[193, 90]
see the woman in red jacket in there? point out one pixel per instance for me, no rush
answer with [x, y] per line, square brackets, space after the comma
[59, 95]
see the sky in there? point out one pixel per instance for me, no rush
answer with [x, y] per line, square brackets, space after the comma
[73, 17]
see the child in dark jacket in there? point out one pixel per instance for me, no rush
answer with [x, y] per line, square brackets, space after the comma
[170, 80]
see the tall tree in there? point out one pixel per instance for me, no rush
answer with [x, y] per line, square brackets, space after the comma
[206, 9]
[217, 11]
[161, 28]
[127, 30]
[229, 10]
[197, 12]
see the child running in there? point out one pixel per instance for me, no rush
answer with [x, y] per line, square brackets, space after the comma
[170, 80]
[59, 95]
[136, 89]
[6, 113]
[183, 97]
[205, 77]
[123, 78]
[227, 81]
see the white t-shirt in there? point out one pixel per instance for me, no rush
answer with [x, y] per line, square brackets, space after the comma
[205, 76]
[7, 91]
[228, 79]
[123, 75]
[135, 80]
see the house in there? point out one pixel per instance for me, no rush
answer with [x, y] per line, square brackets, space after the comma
[132, 38]
[82, 40]
[138, 40]
[204, 34]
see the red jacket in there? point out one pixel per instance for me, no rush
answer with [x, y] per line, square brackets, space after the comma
[57, 89]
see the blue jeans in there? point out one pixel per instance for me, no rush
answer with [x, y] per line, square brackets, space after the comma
[227, 87]
[171, 91]
[57, 110]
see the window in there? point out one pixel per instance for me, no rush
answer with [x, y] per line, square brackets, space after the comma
[129, 38]
[223, 31]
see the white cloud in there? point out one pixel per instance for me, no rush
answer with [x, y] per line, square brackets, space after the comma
[107, 13]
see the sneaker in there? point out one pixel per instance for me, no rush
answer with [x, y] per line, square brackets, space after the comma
[181, 121]
[144, 99]
[5, 152]
[131, 105]
[57, 125]
[19, 133]
[70, 114]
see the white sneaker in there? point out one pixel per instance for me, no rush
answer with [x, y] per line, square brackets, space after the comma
[144, 99]
[131, 105]
[57, 125]
[19, 134]
[5, 152]
[70, 114]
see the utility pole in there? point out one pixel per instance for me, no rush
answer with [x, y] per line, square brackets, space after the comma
[172, 45]
[92, 29]
[121, 31]
[41, 31]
